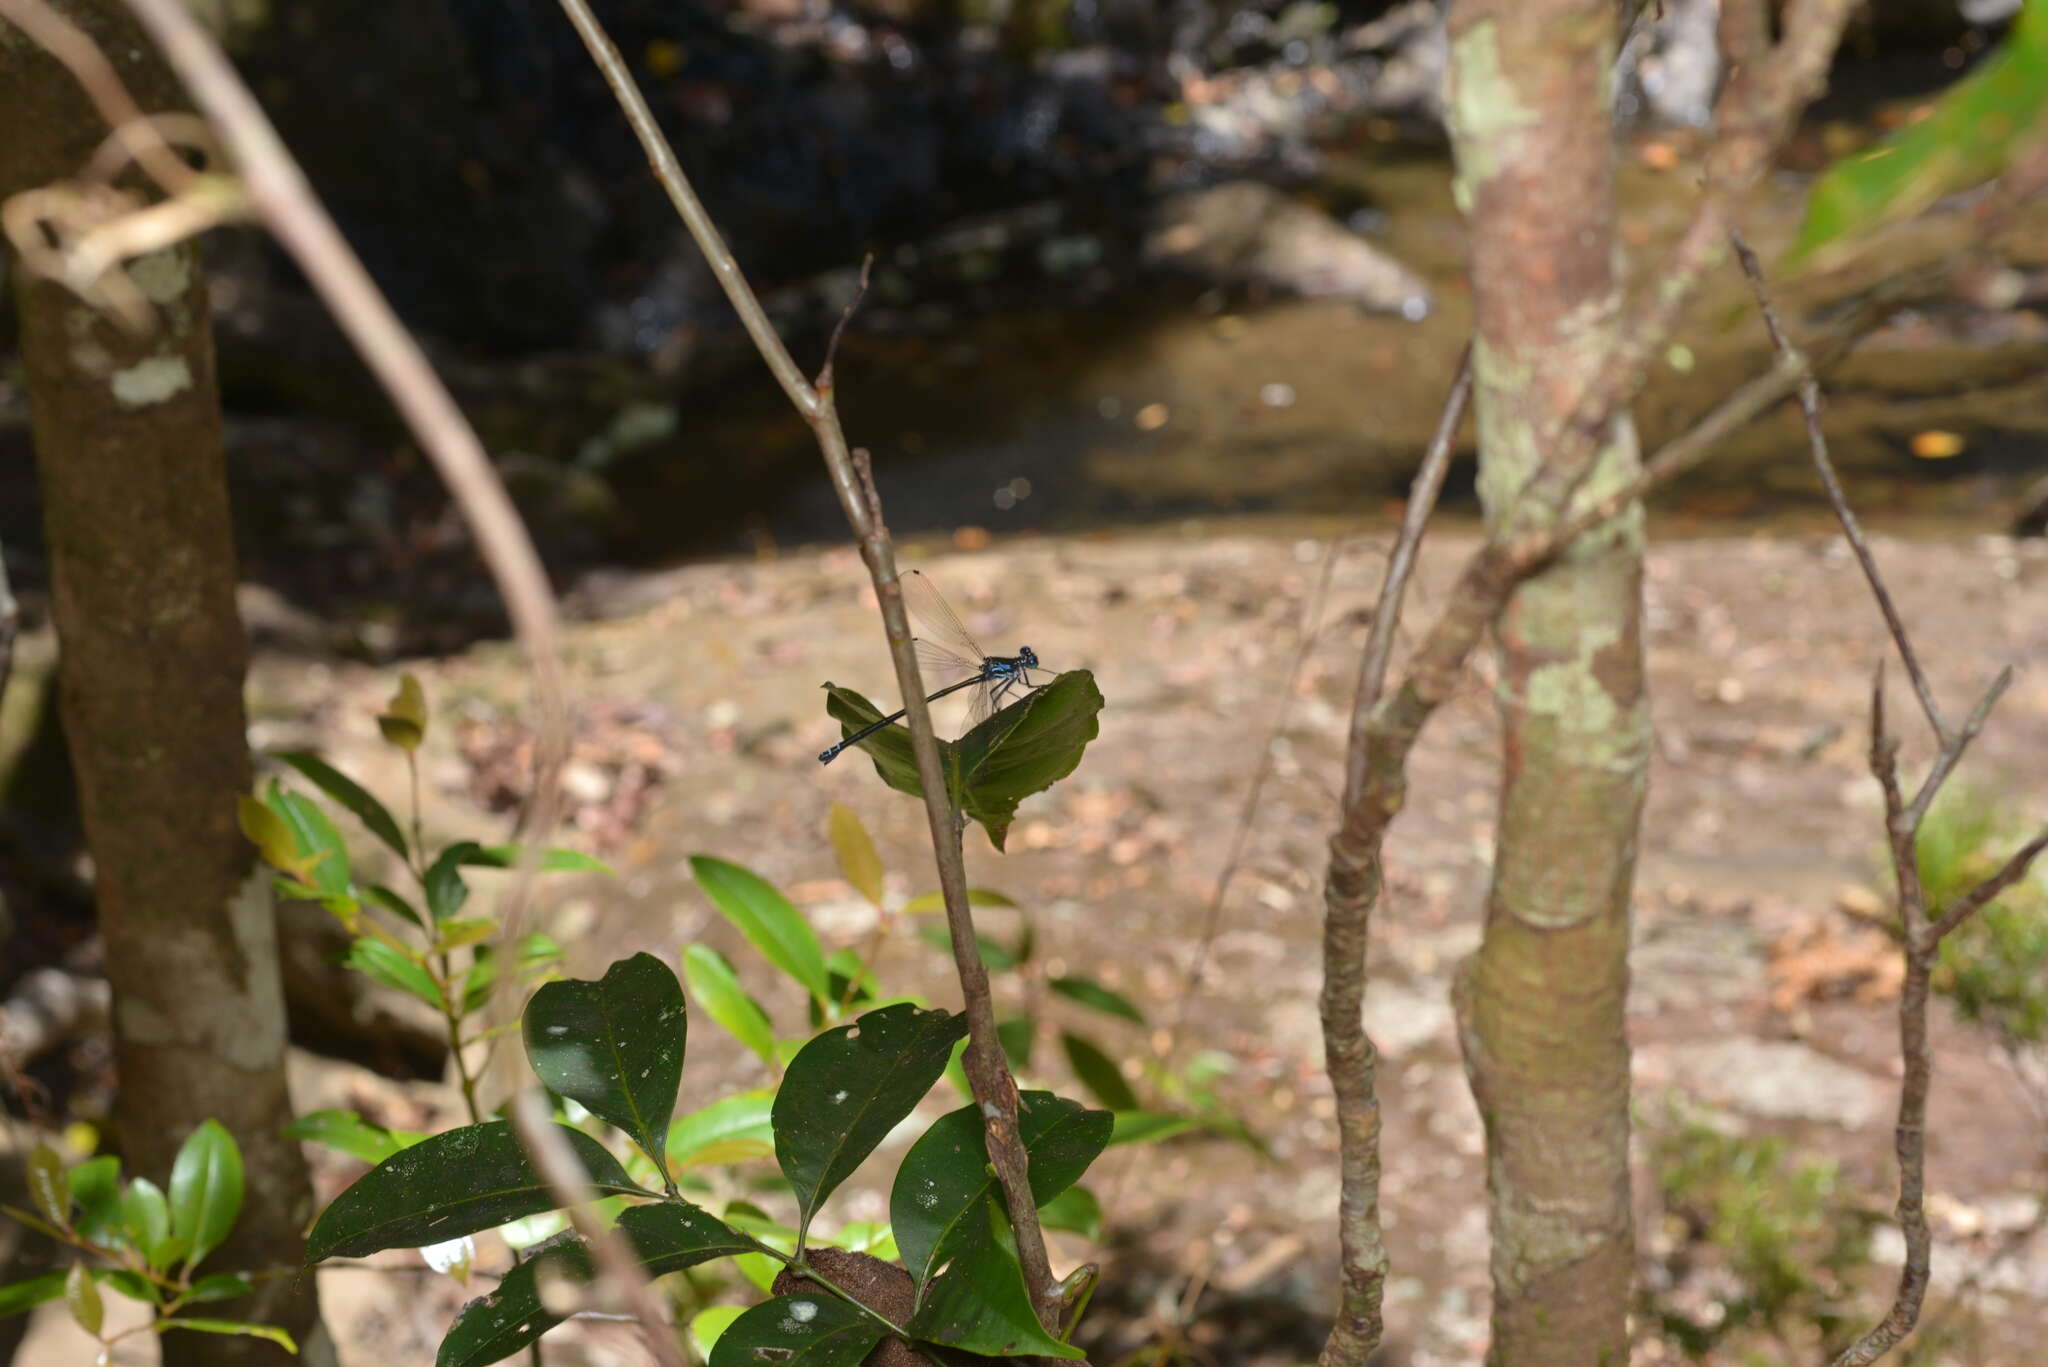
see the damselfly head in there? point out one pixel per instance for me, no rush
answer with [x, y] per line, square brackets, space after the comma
[1028, 657]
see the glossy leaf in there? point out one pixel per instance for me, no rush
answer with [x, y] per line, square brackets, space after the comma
[717, 989]
[1098, 1073]
[48, 1187]
[396, 904]
[732, 1129]
[404, 719]
[798, 1331]
[946, 1177]
[82, 1299]
[349, 1133]
[1074, 1210]
[1095, 996]
[146, 1219]
[234, 1328]
[376, 818]
[446, 892]
[381, 961]
[1023, 749]
[460, 1182]
[766, 918]
[20, 1297]
[206, 1188]
[668, 1237]
[858, 861]
[847, 1088]
[979, 1302]
[96, 1191]
[614, 1046]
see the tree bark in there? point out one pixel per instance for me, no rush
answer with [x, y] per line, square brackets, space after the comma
[1541, 1003]
[135, 509]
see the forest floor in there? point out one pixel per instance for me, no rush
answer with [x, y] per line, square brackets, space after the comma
[1760, 997]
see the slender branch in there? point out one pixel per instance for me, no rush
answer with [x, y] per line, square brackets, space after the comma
[1987, 892]
[988, 1072]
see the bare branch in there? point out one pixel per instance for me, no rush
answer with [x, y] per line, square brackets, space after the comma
[988, 1072]
[1952, 752]
[867, 265]
[1987, 892]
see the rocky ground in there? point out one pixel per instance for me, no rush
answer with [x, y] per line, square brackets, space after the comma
[1757, 994]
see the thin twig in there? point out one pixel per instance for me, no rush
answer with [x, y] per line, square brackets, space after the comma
[988, 1072]
[75, 48]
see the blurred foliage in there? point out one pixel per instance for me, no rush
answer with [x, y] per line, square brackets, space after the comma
[1990, 967]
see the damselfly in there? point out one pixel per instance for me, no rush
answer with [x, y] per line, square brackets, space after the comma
[950, 652]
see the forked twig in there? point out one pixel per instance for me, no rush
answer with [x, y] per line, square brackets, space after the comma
[1922, 927]
[995, 1089]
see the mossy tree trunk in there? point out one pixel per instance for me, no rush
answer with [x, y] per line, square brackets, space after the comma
[135, 508]
[1541, 1003]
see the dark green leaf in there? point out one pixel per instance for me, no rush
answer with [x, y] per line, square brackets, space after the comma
[1023, 749]
[767, 919]
[1074, 1210]
[1098, 1073]
[96, 1191]
[27, 1295]
[1017, 1037]
[1093, 994]
[730, 1130]
[846, 1089]
[206, 1188]
[349, 1133]
[221, 1286]
[383, 962]
[453, 1184]
[552, 860]
[979, 1302]
[945, 1178]
[146, 1219]
[798, 1331]
[717, 989]
[395, 904]
[446, 892]
[130, 1284]
[350, 794]
[268, 1332]
[614, 1046]
[316, 838]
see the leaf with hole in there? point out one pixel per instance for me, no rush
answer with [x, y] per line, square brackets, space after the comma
[846, 1089]
[614, 1046]
[946, 1175]
[798, 1331]
[460, 1182]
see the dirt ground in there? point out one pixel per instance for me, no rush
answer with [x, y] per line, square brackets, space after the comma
[1754, 992]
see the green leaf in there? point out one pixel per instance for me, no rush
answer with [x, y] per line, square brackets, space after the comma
[1023, 749]
[927, 902]
[1095, 996]
[798, 1331]
[946, 1177]
[146, 1219]
[717, 989]
[351, 795]
[1098, 1073]
[1977, 128]
[1138, 1127]
[271, 834]
[96, 1191]
[733, 1129]
[767, 919]
[383, 962]
[456, 1183]
[404, 719]
[1074, 1210]
[858, 861]
[132, 1285]
[708, 1324]
[614, 1046]
[446, 892]
[48, 1187]
[22, 1296]
[240, 1328]
[849, 1087]
[349, 1133]
[395, 904]
[979, 1302]
[462, 932]
[1017, 1037]
[221, 1286]
[668, 1237]
[206, 1188]
[82, 1298]
[552, 860]
[321, 852]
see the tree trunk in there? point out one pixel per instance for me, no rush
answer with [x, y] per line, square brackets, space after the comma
[128, 449]
[1541, 1003]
